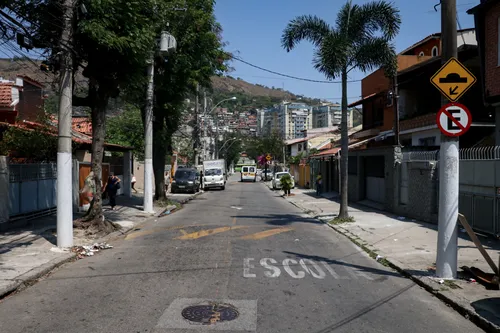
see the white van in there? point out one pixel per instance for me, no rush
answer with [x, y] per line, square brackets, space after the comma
[249, 172]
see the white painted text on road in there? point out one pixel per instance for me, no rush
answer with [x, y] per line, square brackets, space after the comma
[299, 269]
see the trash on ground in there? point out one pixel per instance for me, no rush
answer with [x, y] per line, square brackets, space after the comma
[441, 281]
[379, 257]
[90, 250]
[471, 280]
[463, 230]
[401, 218]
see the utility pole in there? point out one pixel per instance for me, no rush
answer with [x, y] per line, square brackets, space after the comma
[204, 125]
[196, 136]
[446, 262]
[395, 101]
[216, 135]
[148, 140]
[64, 151]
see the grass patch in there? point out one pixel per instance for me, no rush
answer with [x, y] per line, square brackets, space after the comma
[451, 284]
[164, 203]
[340, 220]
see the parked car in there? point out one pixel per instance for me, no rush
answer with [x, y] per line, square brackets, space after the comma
[186, 180]
[276, 180]
[266, 175]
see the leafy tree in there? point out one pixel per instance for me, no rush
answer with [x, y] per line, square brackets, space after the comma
[127, 129]
[360, 39]
[198, 57]
[270, 144]
[111, 42]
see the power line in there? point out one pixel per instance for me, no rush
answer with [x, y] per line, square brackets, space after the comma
[286, 75]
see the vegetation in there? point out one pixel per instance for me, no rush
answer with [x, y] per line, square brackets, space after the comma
[286, 182]
[270, 144]
[127, 129]
[360, 39]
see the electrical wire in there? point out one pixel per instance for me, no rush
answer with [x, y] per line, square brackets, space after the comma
[286, 75]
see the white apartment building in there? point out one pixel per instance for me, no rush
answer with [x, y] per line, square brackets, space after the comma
[330, 114]
[293, 119]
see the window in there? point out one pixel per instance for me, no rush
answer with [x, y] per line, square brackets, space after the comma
[421, 54]
[435, 51]
[430, 141]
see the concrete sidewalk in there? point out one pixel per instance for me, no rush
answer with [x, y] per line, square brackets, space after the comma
[410, 247]
[30, 252]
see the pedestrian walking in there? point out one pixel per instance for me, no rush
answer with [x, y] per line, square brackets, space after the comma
[133, 183]
[319, 183]
[111, 189]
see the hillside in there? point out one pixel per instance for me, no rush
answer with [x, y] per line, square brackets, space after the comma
[249, 95]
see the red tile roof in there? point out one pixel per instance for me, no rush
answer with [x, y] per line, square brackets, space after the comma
[31, 81]
[82, 125]
[6, 94]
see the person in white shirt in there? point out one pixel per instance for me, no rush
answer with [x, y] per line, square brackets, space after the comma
[133, 183]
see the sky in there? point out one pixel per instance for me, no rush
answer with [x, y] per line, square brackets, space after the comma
[253, 29]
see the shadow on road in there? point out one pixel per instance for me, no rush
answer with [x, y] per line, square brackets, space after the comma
[281, 219]
[367, 269]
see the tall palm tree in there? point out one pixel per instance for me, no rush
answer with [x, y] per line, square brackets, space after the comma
[360, 39]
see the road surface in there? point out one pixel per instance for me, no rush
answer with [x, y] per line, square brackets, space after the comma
[237, 260]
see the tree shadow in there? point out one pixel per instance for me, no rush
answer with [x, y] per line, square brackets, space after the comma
[281, 219]
[371, 270]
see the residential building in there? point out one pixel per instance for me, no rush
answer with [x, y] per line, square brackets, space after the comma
[330, 114]
[486, 19]
[21, 99]
[293, 119]
[430, 46]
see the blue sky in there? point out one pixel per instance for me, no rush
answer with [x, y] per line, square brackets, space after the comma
[254, 27]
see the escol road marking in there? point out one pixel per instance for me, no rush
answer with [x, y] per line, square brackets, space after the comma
[299, 269]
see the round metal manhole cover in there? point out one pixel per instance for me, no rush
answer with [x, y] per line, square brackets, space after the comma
[210, 314]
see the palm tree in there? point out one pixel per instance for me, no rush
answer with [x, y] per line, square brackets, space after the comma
[361, 39]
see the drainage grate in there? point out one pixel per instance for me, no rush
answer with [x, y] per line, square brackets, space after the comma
[210, 314]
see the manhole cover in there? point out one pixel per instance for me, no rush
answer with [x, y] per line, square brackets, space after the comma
[210, 314]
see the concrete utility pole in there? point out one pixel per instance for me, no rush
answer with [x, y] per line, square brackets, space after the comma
[446, 262]
[148, 140]
[196, 132]
[204, 125]
[216, 135]
[64, 152]
[167, 44]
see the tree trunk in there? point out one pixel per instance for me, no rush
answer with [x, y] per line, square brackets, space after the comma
[95, 217]
[344, 151]
[159, 152]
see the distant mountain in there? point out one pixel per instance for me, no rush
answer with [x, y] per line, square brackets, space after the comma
[250, 95]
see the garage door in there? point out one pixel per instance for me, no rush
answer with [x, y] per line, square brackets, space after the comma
[375, 178]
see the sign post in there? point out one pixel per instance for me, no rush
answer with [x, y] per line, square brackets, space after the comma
[268, 162]
[453, 79]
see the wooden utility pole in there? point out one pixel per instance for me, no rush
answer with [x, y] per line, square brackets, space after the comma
[64, 152]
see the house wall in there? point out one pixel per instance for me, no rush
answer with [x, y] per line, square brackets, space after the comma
[31, 102]
[427, 47]
[491, 43]
[435, 133]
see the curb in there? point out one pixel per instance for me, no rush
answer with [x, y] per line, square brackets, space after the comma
[25, 280]
[29, 278]
[467, 313]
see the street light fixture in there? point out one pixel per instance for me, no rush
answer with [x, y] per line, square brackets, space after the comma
[217, 122]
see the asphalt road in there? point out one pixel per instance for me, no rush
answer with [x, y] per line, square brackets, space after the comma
[243, 252]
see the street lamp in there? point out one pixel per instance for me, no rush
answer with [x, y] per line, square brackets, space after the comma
[167, 44]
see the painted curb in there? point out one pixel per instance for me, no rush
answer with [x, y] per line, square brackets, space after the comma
[423, 282]
[24, 280]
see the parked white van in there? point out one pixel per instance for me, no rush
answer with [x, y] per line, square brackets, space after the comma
[248, 173]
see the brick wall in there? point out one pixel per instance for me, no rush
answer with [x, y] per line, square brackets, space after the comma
[30, 102]
[427, 47]
[492, 70]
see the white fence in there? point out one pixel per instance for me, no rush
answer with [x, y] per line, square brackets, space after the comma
[32, 189]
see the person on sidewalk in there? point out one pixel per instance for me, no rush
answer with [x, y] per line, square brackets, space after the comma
[319, 183]
[111, 189]
[134, 180]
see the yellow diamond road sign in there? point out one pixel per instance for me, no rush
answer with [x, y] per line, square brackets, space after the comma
[268, 157]
[453, 79]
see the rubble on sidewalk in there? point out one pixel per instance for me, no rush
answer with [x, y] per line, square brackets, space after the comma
[90, 250]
